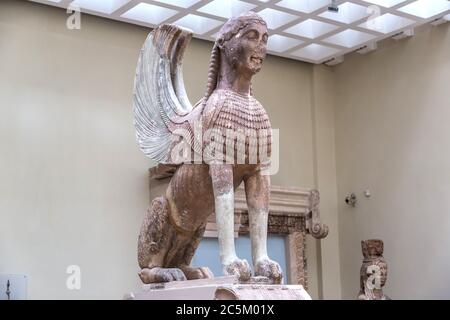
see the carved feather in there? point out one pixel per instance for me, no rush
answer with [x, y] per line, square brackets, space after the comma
[160, 101]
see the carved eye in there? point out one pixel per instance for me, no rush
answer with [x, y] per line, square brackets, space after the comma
[265, 38]
[252, 35]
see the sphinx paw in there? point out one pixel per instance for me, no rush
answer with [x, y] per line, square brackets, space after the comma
[266, 267]
[238, 267]
[193, 273]
[156, 275]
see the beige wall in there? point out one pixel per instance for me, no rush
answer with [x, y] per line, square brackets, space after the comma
[325, 178]
[74, 184]
[392, 137]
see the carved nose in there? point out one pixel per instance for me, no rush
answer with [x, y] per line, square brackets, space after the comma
[261, 48]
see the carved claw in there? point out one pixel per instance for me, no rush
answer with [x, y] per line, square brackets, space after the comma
[270, 269]
[238, 267]
[193, 273]
[157, 275]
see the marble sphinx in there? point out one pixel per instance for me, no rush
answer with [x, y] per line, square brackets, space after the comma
[217, 144]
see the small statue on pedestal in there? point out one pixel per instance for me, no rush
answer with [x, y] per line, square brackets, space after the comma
[373, 273]
[200, 141]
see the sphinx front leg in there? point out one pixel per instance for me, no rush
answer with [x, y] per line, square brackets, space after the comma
[222, 181]
[257, 190]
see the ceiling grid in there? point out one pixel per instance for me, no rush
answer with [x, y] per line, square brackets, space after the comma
[299, 29]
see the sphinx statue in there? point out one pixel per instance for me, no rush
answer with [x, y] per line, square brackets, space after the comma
[373, 274]
[200, 141]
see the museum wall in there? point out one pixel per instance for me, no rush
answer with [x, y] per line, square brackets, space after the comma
[392, 129]
[74, 185]
[324, 104]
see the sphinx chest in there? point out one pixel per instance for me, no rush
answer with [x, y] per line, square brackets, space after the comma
[238, 126]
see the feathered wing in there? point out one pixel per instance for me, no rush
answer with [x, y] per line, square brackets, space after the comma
[160, 101]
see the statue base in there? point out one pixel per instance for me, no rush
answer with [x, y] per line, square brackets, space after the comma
[220, 288]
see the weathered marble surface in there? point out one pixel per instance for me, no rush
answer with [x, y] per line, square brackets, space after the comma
[166, 123]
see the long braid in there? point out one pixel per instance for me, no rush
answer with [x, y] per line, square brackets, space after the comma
[213, 72]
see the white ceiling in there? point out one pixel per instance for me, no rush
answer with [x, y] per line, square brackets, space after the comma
[300, 29]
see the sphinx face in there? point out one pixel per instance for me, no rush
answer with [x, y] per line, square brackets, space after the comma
[247, 50]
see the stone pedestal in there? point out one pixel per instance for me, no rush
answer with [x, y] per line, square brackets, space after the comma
[220, 288]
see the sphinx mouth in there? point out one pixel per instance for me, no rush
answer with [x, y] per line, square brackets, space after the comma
[256, 59]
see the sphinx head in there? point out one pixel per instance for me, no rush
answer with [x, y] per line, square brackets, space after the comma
[242, 42]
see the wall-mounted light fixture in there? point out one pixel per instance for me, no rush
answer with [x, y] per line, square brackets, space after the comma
[351, 200]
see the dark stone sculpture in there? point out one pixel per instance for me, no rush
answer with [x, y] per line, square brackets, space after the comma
[373, 273]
